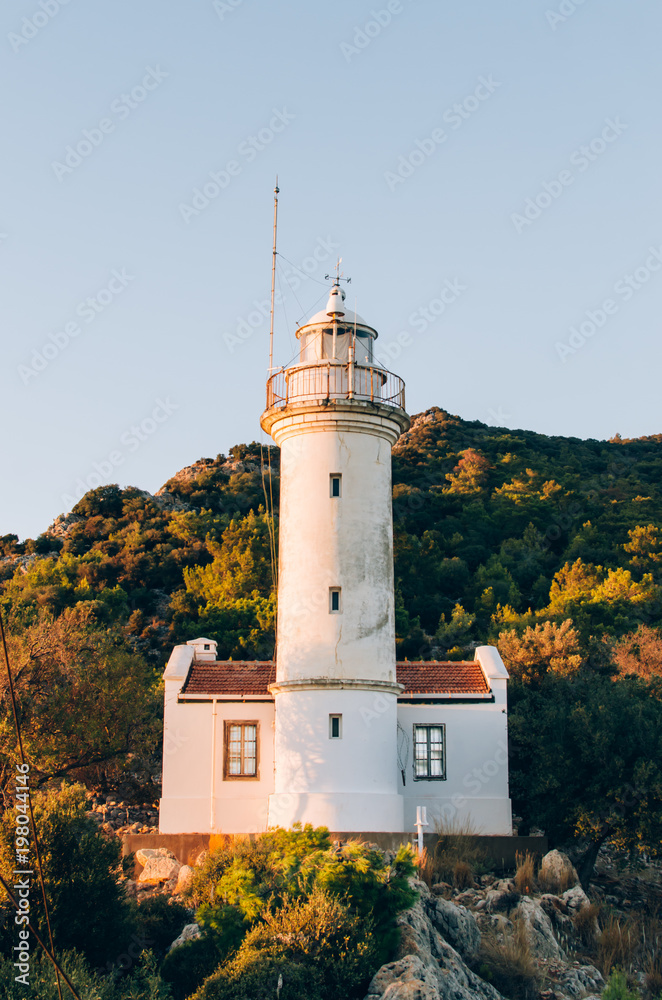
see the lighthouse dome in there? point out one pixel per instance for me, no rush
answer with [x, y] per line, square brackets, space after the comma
[329, 334]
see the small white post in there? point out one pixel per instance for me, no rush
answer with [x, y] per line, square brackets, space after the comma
[421, 821]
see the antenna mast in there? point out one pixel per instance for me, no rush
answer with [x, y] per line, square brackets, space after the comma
[273, 281]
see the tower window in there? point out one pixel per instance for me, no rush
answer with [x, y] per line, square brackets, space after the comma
[336, 484]
[207, 646]
[334, 599]
[335, 727]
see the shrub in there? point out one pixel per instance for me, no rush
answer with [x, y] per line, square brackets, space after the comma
[525, 876]
[159, 921]
[82, 872]
[189, 965]
[144, 984]
[509, 965]
[617, 988]
[585, 922]
[334, 950]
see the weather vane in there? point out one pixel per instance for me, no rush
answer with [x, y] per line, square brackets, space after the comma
[338, 277]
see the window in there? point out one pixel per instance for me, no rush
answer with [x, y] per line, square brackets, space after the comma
[240, 750]
[334, 600]
[336, 480]
[335, 727]
[430, 752]
[207, 645]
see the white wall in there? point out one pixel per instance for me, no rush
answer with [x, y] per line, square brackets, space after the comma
[347, 783]
[240, 805]
[342, 542]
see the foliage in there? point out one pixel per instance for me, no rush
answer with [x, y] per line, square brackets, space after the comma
[617, 988]
[585, 761]
[331, 947]
[525, 876]
[84, 698]
[187, 966]
[82, 871]
[143, 983]
[545, 647]
[248, 878]
[159, 921]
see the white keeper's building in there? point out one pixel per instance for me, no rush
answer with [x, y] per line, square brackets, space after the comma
[334, 732]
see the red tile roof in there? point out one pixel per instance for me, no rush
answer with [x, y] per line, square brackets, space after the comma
[442, 677]
[230, 677]
[246, 677]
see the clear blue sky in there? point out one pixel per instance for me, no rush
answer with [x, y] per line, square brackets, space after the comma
[180, 89]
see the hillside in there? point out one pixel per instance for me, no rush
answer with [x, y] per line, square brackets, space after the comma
[488, 521]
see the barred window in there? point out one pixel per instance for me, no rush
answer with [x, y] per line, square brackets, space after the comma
[241, 749]
[430, 752]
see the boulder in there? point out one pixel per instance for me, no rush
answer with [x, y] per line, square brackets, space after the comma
[538, 930]
[557, 871]
[190, 933]
[184, 878]
[576, 982]
[576, 899]
[201, 858]
[456, 924]
[160, 869]
[143, 853]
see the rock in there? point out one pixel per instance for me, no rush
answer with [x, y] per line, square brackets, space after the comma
[557, 871]
[456, 924]
[144, 853]
[407, 979]
[130, 888]
[576, 982]
[538, 929]
[427, 967]
[576, 899]
[190, 933]
[160, 869]
[201, 858]
[184, 878]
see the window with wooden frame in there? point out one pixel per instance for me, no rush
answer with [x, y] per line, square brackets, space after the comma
[430, 753]
[241, 750]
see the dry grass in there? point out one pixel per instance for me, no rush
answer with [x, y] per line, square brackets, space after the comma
[525, 876]
[586, 925]
[457, 857]
[509, 965]
[631, 944]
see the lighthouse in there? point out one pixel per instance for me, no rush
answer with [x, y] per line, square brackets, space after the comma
[335, 414]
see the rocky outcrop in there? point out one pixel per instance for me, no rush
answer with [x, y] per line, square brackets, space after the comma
[160, 865]
[428, 967]
[538, 930]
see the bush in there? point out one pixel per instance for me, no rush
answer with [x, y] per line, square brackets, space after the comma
[189, 965]
[463, 876]
[617, 988]
[144, 984]
[82, 871]
[159, 921]
[333, 949]
[245, 880]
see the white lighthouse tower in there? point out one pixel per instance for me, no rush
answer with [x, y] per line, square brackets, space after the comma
[335, 415]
